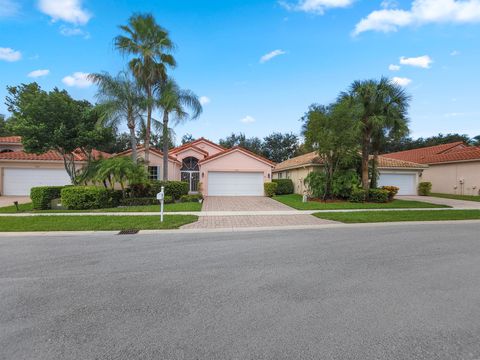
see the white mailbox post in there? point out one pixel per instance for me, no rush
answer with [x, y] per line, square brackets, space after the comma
[161, 197]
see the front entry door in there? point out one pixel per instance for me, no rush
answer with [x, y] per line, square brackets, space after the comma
[192, 178]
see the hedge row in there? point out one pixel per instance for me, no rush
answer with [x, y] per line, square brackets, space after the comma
[89, 197]
[43, 195]
[175, 189]
[284, 186]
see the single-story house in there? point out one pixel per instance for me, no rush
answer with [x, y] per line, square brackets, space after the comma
[403, 174]
[453, 168]
[211, 169]
[20, 171]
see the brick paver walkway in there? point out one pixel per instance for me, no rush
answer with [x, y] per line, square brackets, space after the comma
[242, 203]
[243, 221]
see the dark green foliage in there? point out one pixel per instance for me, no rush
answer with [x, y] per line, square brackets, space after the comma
[270, 188]
[284, 186]
[145, 201]
[392, 191]
[315, 182]
[191, 198]
[358, 196]
[343, 183]
[87, 197]
[253, 144]
[279, 147]
[425, 188]
[42, 196]
[174, 189]
[378, 195]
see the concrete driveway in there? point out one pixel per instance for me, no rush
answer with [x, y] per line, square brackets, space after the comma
[242, 203]
[396, 292]
[456, 204]
[8, 200]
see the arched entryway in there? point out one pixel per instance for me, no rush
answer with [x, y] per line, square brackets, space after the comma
[190, 173]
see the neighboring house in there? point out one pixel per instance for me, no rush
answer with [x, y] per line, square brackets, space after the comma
[403, 174]
[212, 169]
[20, 171]
[452, 168]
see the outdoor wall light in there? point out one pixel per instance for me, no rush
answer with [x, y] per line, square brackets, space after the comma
[203, 174]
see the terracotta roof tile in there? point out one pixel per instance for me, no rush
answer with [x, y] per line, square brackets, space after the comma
[185, 146]
[49, 156]
[11, 140]
[311, 158]
[424, 155]
[387, 163]
[152, 149]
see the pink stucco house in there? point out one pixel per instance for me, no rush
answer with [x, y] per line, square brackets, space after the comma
[211, 169]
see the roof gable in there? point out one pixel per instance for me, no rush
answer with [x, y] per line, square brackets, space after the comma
[241, 150]
[196, 143]
[141, 148]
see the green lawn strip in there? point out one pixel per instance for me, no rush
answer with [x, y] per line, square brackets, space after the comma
[295, 201]
[396, 216]
[457, 197]
[92, 222]
[190, 206]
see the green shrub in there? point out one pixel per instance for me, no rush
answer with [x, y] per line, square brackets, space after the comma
[392, 191]
[270, 188]
[358, 196]
[87, 197]
[344, 182]
[378, 196]
[42, 196]
[174, 189]
[284, 186]
[145, 201]
[116, 197]
[425, 188]
[315, 182]
[191, 198]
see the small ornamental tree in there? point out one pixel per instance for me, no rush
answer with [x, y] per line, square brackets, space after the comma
[55, 121]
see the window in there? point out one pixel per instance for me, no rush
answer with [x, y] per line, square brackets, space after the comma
[280, 175]
[153, 172]
[190, 164]
[6, 151]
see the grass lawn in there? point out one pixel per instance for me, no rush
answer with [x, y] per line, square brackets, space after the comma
[90, 222]
[396, 216]
[457, 197]
[295, 201]
[191, 206]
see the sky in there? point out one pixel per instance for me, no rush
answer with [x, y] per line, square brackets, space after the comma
[258, 64]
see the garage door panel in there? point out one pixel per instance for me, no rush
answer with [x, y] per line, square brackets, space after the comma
[235, 183]
[405, 182]
[20, 181]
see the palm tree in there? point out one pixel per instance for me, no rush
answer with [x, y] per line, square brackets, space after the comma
[377, 105]
[151, 46]
[121, 99]
[173, 101]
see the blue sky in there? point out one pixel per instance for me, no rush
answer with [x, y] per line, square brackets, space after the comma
[261, 63]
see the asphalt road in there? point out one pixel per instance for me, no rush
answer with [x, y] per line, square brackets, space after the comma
[399, 292]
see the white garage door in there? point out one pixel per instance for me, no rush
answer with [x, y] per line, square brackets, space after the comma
[235, 183]
[406, 182]
[20, 181]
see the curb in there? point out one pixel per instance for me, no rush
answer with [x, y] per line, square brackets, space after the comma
[239, 230]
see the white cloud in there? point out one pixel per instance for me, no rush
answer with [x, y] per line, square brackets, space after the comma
[8, 8]
[393, 67]
[9, 54]
[77, 79]
[38, 73]
[271, 55]
[421, 61]
[422, 12]
[402, 81]
[204, 100]
[73, 31]
[315, 6]
[455, 53]
[66, 10]
[247, 120]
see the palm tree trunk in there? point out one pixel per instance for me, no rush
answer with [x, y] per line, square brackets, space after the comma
[365, 159]
[149, 124]
[165, 136]
[373, 182]
[133, 140]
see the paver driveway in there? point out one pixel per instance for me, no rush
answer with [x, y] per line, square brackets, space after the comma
[8, 200]
[242, 203]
